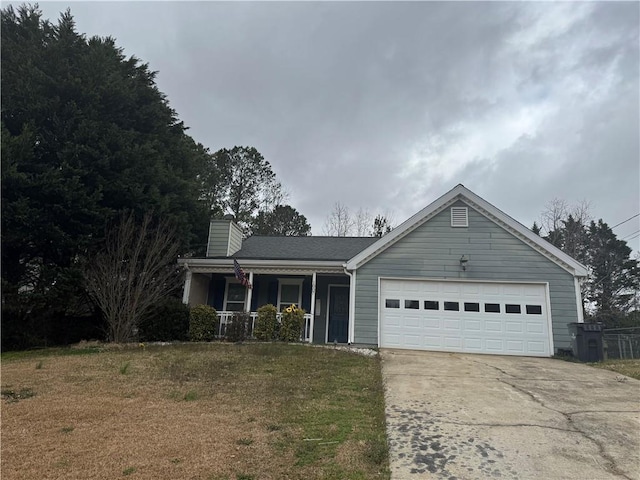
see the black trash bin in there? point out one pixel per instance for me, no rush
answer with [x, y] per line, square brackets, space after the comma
[586, 341]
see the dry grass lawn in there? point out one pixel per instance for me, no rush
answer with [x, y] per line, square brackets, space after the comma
[630, 368]
[193, 411]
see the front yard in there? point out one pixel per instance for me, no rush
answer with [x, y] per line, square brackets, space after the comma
[201, 411]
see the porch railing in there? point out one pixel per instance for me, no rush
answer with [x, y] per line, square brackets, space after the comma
[226, 316]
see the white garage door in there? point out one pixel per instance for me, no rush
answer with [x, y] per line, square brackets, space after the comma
[472, 317]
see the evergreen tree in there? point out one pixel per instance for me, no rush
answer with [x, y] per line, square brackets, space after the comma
[85, 135]
[614, 277]
[283, 220]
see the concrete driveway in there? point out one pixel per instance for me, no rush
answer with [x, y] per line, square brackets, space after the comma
[459, 416]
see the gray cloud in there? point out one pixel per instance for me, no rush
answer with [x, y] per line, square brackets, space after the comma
[389, 105]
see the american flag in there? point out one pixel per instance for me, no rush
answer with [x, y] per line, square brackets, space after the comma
[240, 275]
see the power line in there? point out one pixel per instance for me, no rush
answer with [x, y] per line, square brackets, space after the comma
[631, 234]
[630, 218]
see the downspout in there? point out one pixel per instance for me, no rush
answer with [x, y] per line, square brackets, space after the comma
[187, 285]
[352, 303]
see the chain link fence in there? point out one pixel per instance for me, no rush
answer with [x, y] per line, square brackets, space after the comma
[621, 343]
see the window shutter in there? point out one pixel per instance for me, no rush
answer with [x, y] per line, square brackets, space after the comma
[459, 217]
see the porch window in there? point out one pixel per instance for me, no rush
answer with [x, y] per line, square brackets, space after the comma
[289, 293]
[235, 296]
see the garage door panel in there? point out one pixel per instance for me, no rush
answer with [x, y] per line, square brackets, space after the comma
[513, 327]
[535, 328]
[471, 289]
[451, 288]
[453, 342]
[515, 346]
[473, 344]
[492, 326]
[473, 326]
[533, 347]
[432, 341]
[411, 321]
[494, 346]
[431, 322]
[465, 317]
[451, 324]
[412, 340]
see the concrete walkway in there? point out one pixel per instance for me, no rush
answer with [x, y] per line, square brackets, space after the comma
[458, 416]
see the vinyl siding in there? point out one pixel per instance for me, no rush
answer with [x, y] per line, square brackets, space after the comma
[218, 238]
[433, 251]
[235, 239]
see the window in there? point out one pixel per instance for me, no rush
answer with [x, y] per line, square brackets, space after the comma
[471, 307]
[235, 297]
[289, 292]
[510, 308]
[459, 217]
[492, 307]
[534, 309]
[452, 306]
[392, 303]
[431, 305]
[412, 304]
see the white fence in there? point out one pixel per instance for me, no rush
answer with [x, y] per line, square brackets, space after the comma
[226, 316]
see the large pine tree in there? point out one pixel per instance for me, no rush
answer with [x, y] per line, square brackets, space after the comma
[85, 134]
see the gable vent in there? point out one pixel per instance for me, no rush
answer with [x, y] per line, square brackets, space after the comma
[459, 217]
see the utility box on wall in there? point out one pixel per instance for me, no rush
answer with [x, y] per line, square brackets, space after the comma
[586, 341]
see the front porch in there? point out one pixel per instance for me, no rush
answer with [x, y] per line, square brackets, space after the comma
[324, 296]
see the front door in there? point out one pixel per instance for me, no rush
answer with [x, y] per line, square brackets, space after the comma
[338, 314]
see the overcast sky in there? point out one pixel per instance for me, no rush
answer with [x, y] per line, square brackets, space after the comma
[387, 106]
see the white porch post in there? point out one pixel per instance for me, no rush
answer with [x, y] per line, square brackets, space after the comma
[249, 293]
[313, 306]
[187, 288]
[352, 307]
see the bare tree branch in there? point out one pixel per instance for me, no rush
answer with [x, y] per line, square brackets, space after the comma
[339, 223]
[136, 269]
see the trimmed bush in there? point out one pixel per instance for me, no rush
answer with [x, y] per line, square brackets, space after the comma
[168, 321]
[238, 329]
[266, 323]
[292, 322]
[203, 323]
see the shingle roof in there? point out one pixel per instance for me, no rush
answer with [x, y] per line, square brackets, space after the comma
[303, 248]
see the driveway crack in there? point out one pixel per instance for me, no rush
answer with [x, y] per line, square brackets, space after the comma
[611, 466]
[536, 425]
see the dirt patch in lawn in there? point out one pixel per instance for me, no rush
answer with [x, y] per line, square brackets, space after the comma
[216, 411]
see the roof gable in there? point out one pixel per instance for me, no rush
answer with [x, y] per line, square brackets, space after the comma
[483, 207]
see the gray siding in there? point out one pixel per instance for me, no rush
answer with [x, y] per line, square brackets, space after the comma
[433, 251]
[235, 239]
[218, 238]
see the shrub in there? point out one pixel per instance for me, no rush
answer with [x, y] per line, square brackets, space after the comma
[238, 329]
[167, 321]
[266, 323]
[203, 323]
[292, 322]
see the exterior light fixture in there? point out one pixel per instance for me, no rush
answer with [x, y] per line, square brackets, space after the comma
[463, 262]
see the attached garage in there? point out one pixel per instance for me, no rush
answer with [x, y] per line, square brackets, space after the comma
[462, 276]
[473, 317]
